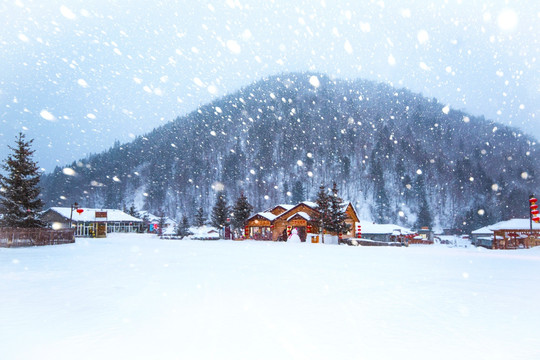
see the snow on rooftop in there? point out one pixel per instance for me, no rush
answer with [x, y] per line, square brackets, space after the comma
[287, 207]
[311, 204]
[267, 215]
[369, 227]
[89, 214]
[512, 224]
[302, 214]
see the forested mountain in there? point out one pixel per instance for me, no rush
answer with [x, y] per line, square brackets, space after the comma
[393, 153]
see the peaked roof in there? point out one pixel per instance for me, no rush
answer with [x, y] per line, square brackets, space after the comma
[89, 214]
[512, 224]
[300, 213]
[286, 207]
[264, 214]
[369, 227]
[154, 218]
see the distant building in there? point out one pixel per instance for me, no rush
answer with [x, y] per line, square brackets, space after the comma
[92, 222]
[152, 226]
[385, 232]
[509, 234]
[276, 223]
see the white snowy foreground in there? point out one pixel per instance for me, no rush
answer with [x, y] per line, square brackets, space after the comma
[138, 297]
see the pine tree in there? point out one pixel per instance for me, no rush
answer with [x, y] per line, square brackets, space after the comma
[220, 211]
[337, 213]
[161, 223]
[19, 197]
[133, 211]
[200, 218]
[183, 228]
[424, 218]
[298, 193]
[241, 211]
[323, 218]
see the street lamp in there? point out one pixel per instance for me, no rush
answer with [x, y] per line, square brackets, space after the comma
[73, 206]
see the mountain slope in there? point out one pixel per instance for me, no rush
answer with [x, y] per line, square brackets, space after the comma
[392, 153]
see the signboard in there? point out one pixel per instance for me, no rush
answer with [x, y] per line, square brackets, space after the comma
[298, 222]
[101, 214]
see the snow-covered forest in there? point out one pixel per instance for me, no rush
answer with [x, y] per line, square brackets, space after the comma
[391, 151]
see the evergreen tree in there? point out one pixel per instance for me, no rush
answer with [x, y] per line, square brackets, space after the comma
[183, 228]
[337, 213]
[200, 218]
[133, 211]
[161, 223]
[424, 218]
[286, 193]
[241, 211]
[19, 196]
[220, 211]
[298, 193]
[323, 218]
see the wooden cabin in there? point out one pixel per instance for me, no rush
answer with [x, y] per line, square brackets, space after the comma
[276, 223]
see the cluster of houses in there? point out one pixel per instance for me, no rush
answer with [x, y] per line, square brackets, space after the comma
[277, 223]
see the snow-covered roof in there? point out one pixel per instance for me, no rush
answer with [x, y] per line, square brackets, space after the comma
[482, 231]
[89, 214]
[302, 214]
[369, 227]
[267, 215]
[203, 232]
[287, 207]
[155, 219]
[512, 224]
[311, 204]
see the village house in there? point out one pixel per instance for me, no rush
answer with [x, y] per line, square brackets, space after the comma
[169, 225]
[91, 222]
[277, 223]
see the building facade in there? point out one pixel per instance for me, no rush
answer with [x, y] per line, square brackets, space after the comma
[276, 223]
[91, 222]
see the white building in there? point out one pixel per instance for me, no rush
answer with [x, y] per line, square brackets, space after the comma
[92, 222]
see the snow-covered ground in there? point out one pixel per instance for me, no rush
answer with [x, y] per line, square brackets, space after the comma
[138, 297]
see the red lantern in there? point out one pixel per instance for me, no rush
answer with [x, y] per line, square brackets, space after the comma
[359, 231]
[309, 228]
[246, 231]
[80, 211]
[534, 209]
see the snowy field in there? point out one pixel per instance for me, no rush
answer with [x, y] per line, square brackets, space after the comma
[138, 297]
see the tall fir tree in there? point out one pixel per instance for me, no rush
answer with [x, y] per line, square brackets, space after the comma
[323, 218]
[19, 195]
[220, 211]
[200, 217]
[424, 218]
[337, 213]
[298, 193]
[161, 223]
[183, 228]
[241, 211]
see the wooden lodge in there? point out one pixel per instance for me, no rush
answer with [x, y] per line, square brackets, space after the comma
[276, 223]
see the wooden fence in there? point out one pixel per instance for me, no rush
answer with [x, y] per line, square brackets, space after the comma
[19, 237]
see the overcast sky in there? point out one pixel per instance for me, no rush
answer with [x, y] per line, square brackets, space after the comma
[78, 75]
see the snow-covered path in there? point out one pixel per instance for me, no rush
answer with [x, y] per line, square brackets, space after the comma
[134, 296]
